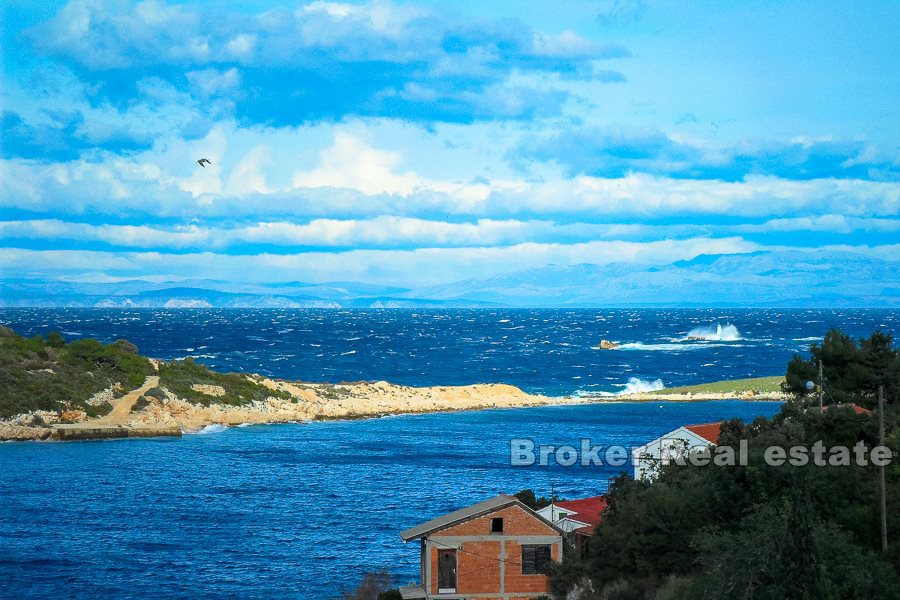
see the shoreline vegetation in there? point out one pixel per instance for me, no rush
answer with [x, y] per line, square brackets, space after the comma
[87, 390]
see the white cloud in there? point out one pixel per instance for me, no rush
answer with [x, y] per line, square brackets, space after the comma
[350, 163]
[420, 266]
[823, 223]
[255, 174]
[380, 232]
[212, 81]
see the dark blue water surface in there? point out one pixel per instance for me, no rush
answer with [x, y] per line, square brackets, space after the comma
[296, 511]
[549, 351]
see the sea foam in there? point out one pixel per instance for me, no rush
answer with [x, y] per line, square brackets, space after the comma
[215, 428]
[635, 385]
[719, 333]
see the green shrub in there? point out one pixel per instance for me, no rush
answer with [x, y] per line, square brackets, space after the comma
[55, 340]
[179, 376]
[98, 410]
[140, 404]
[156, 392]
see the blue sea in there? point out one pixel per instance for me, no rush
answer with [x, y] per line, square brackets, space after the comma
[547, 351]
[304, 510]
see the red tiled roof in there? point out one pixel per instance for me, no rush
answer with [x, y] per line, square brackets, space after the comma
[708, 431]
[587, 510]
[856, 408]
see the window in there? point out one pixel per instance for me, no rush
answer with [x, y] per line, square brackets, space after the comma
[535, 560]
[497, 525]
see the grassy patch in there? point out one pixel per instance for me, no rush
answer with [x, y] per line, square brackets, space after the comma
[179, 377]
[756, 384]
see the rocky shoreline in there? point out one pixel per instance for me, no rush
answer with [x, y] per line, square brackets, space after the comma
[135, 415]
[306, 402]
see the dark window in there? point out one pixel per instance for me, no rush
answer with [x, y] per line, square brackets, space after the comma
[497, 525]
[535, 560]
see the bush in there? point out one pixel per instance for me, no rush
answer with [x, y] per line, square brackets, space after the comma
[126, 346]
[179, 376]
[374, 586]
[98, 410]
[157, 393]
[528, 498]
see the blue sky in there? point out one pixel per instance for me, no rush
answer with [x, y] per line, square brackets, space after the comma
[421, 143]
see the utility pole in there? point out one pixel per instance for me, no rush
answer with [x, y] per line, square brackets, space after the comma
[821, 387]
[552, 503]
[884, 543]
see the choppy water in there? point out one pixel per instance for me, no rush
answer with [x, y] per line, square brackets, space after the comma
[275, 511]
[549, 351]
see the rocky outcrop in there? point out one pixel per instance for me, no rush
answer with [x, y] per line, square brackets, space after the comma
[306, 402]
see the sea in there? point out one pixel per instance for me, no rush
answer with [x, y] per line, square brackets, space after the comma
[305, 510]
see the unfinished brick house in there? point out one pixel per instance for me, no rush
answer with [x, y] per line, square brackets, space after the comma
[497, 549]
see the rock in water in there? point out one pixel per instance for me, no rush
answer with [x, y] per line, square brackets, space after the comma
[608, 345]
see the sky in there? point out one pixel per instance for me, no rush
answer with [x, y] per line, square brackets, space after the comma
[423, 143]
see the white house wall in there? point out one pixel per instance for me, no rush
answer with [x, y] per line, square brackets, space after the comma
[648, 458]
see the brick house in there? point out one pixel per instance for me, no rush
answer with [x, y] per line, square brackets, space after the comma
[498, 549]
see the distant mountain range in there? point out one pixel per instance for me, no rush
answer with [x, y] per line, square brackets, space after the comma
[785, 279]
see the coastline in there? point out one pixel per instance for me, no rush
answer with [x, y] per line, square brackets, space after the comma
[308, 402]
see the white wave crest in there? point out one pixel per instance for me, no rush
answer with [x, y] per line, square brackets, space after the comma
[216, 428]
[719, 333]
[635, 385]
[661, 347]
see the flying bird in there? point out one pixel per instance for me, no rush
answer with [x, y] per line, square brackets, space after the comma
[203, 160]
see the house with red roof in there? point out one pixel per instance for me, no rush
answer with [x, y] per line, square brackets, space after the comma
[648, 459]
[577, 518]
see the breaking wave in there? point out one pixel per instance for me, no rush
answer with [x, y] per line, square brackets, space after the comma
[665, 347]
[719, 333]
[635, 385]
[216, 428]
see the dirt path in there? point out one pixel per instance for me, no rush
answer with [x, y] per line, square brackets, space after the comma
[122, 407]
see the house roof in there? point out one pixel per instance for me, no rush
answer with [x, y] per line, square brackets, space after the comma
[708, 431]
[587, 510]
[464, 514]
[856, 408]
